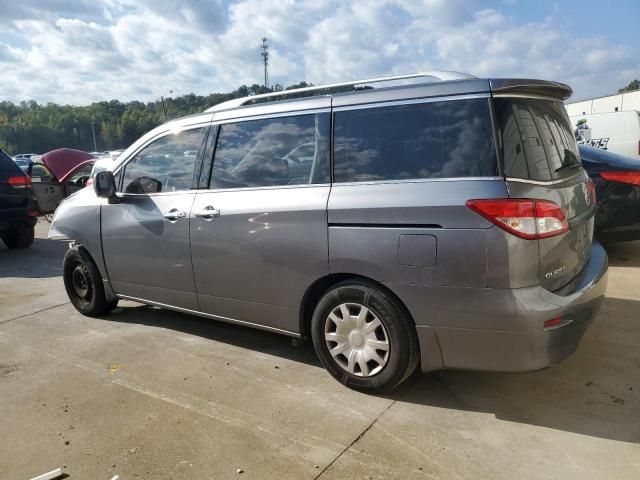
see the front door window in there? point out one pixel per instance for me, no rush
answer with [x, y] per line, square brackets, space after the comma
[165, 165]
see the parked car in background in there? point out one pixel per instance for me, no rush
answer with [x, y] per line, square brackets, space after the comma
[617, 132]
[23, 163]
[17, 208]
[24, 156]
[386, 224]
[58, 174]
[617, 182]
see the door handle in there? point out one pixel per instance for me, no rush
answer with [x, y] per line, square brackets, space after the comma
[208, 212]
[174, 214]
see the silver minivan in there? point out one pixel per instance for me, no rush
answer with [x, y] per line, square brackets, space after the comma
[419, 225]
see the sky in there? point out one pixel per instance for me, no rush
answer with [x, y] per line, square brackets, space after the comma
[81, 51]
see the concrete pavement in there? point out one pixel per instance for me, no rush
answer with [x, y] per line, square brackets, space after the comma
[153, 394]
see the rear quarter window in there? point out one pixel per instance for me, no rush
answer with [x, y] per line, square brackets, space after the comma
[538, 142]
[417, 141]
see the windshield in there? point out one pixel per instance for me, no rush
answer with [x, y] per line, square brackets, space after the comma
[537, 139]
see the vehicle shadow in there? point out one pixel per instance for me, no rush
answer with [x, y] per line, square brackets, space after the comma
[43, 259]
[624, 254]
[595, 392]
[237, 335]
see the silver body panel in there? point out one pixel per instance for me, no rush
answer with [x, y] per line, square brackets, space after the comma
[256, 259]
[148, 256]
[474, 291]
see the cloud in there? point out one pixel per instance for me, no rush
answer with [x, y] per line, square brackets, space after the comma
[89, 50]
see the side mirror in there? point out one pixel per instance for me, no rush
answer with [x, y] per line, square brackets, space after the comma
[105, 186]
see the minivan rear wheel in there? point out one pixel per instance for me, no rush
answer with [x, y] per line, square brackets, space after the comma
[364, 337]
[83, 283]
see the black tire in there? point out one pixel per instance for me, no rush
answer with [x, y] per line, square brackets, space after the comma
[23, 238]
[399, 332]
[83, 284]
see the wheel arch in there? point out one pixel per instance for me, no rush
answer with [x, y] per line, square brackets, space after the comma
[106, 284]
[315, 291]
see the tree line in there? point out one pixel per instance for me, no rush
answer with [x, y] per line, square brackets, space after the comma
[30, 127]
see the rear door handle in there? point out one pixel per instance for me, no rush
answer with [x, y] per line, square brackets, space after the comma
[174, 214]
[208, 212]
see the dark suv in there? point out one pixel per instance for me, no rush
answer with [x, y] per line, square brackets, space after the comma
[17, 212]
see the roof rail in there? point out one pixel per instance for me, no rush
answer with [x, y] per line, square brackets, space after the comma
[441, 75]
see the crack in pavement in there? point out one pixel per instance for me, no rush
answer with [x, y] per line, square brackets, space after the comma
[33, 313]
[356, 440]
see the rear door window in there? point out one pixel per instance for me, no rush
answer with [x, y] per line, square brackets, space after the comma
[290, 150]
[428, 140]
[538, 142]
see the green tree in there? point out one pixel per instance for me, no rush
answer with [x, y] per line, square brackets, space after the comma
[633, 85]
[32, 127]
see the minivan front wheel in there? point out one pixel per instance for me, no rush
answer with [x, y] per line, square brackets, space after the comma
[83, 284]
[364, 337]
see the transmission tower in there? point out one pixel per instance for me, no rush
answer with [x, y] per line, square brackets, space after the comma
[265, 59]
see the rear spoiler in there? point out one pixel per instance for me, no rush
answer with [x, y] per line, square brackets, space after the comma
[523, 86]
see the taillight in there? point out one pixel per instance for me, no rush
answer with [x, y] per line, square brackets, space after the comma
[632, 178]
[19, 181]
[523, 217]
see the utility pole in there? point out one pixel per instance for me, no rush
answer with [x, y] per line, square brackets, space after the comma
[265, 59]
[95, 145]
[164, 108]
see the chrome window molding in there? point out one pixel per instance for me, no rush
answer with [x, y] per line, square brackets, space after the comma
[156, 194]
[416, 180]
[270, 187]
[413, 101]
[220, 190]
[544, 182]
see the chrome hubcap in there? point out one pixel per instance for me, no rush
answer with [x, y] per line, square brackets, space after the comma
[357, 339]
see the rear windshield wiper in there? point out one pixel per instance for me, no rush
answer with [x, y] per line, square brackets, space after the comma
[567, 166]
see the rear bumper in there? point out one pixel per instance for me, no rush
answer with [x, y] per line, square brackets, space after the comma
[503, 329]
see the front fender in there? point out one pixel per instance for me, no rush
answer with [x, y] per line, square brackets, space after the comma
[77, 219]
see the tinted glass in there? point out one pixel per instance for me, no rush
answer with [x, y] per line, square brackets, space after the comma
[7, 165]
[430, 140]
[275, 151]
[538, 141]
[165, 165]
